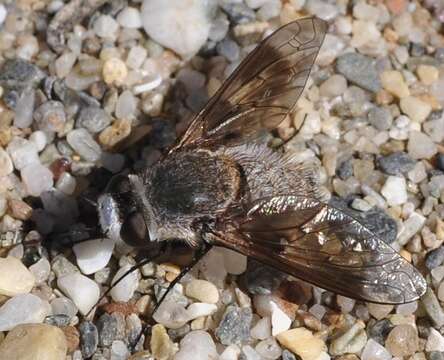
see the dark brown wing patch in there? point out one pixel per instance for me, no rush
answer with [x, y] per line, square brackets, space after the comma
[326, 247]
[263, 90]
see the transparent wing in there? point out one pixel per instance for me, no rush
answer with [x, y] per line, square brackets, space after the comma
[263, 89]
[326, 247]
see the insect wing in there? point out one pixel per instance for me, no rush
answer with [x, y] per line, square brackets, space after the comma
[262, 90]
[326, 247]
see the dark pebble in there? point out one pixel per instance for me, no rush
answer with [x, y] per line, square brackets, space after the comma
[19, 74]
[234, 327]
[59, 320]
[345, 169]
[163, 133]
[287, 355]
[261, 279]
[89, 338]
[360, 70]
[107, 328]
[380, 117]
[379, 330]
[434, 258]
[397, 163]
[417, 50]
[440, 162]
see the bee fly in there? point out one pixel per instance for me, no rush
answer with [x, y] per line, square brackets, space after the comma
[217, 186]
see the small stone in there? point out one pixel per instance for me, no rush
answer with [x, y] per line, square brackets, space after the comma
[352, 341]
[72, 336]
[415, 108]
[89, 338]
[182, 27]
[34, 342]
[302, 342]
[263, 280]
[428, 74]
[346, 304]
[420, 146]
[395, 190]
[136, 57]
[93, 255]
[360, 70]
[231, 352]
[402, 341]
[394, 83]
[41, 270]
[197, 345]
[407, 309]
[380, 118]
[269, 349]
[107, 328]
[50, 116]
[433, 308]
[228, 49]
[19, 209]
[22, 152]
[379, 311]
[397, 163]
[83, 291]
[326, 11]
[22, 309]
[37, 179]
[126, 105]
[375, 351]
[114, 71]
[124, 290]
[262, 329]
[196, 310]
[410, 227]
[161, 345]
[19, 74]
[83, 143]
[115, 133]
[6, 166]
[39, 139]
[130, 18]
[119, 350]
[234, 328]
[171, 314]
[64, 306]
[280, 321]
[66, 183]
[203, 291]
[248, 353]
[287, 355]
[64, 63]
[94, 119]
[335, 85]
[106, 27]
[24, 108]
[435, 341]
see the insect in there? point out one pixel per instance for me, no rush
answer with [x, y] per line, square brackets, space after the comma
[217, 186]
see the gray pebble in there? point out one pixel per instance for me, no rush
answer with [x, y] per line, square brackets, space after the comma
[435, 355]
[380, 117]
[176, 334]
[94, 119]
[234, 327]
[107, 328]
[433, 307]
[379, 330]
[261, 279]
[89, 338]
[440, 161]
[18, 74]
[434, 258]
[345, 169]
[417, 50]
[396, 164]
[84, 144]
[439, 54]
[228, 49]
[239, 13]
[287, 355]
[359, 69]
[58, 320]
[50, 116]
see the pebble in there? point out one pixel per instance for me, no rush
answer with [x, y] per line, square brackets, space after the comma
[262, 329]
[196, 310]
[15, 278]
[126, 105]
[50, 116]
[66, 183]
[269, 349]
[37, 179]
[235, 263]
[94, 119]
[287, 355]
[130, 18]
[395, 190]
[171, 314]
[114, 71]
[89, 338]
[118, 131]
[23, 309]
[3, 14]
[248, 353]
[93, 255]
[428, 74]
[280, 321]
[394, 83]
[335, 85]
[40, 270]
[22, 152]
[410, 227]
[231, 352]
[64, 63]
[168, 23]
[197, 345]
[203, 291]
[302, 342]
[435, 341]
[420, 146]
[326, 11]
[83, 291]
[375, 351]
[402, 341]
[124, 290]
[34, 342]
[433, 308]
[6, 166]
[19, 74]
[107, 329]
[415, 108]
[234, 328]
[83, 143]
[161, 345]
[435, 258]
[360, 70]
[379, 311]
[352, 341]
[397, 163]
[106, 27]
[24, 108]
[64, 306]
[39, 139]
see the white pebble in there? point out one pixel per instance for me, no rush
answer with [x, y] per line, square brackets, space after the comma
[420, 146]
[147, 85]
[407, 309]
[334, 86]
[410, 227]
[66, 183]
[23, 309]
[37, 179]
[180, 25]
[22, 153]
[41, 270]
[395, 190]
[262, 329]
[375, 351]
[119, 350]
[197, 345]
[106, 27]
[203, 291]
[250, 354]
[15, 278]
[39, 139]
[136, 57]
[126, 105]
[269, 349]
[82, 290]
[231, 352]
[124, 290]
[64, 306]
[3, 13]
[93, 255]
[196, 310]
[64, 64]
[6, 166]
[130, 18]
[280, 321]
[435, 341]
[24, 109]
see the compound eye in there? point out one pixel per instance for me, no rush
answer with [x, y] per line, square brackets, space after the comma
[134, 231]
